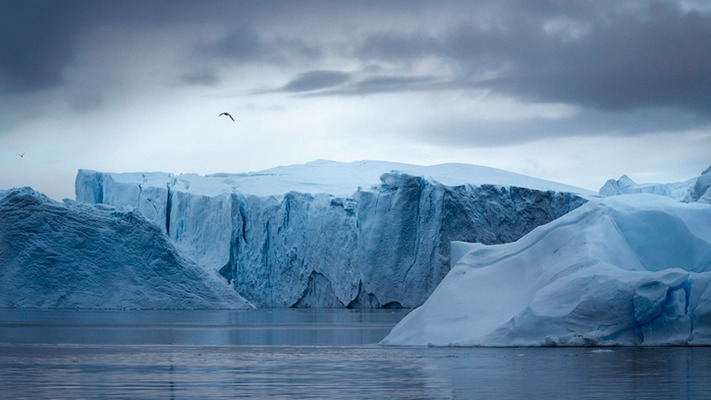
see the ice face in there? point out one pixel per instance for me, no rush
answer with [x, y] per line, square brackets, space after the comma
[69, 255]
[282, 240]
[626, 270]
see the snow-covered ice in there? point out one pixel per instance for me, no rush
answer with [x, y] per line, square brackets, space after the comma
[624, 270]
[322, 176]
[69, 255]
[331, 234]
[697, 189]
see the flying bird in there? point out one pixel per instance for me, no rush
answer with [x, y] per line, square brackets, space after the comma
[227, 114]
[21, 155]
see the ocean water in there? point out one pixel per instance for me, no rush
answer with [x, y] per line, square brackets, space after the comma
[329, 354]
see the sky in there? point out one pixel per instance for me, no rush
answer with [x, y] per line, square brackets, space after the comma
[571, 91]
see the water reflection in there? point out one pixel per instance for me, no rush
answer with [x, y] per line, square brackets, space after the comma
[326, 355]
[221, 327]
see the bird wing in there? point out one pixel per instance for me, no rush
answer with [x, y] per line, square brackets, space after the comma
[227, 114]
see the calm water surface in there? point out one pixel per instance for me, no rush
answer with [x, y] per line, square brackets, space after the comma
[309, 354]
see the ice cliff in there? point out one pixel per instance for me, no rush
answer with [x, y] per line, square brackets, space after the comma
[329, 234]
[68, 255]
[625, 270]
[693, 190]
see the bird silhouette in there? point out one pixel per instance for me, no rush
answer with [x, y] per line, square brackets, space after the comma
[21, 155]
[227, 114]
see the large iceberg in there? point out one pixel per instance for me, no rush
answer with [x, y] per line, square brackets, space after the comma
[625, 270]
[693, 190]
[68, 255]
[329, 234]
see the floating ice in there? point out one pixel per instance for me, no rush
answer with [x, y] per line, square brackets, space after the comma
[626, 270]
[68, 255]
[693, 190]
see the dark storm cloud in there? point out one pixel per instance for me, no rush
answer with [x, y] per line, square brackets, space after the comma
[623, 64]
[386, 84]
[340, 83]
[40, 38]
[86, 101]
[244, 44]
[398, 46]
[604, 55]
[35, 38]
[204, 77]
[315, 80]
[458, 132]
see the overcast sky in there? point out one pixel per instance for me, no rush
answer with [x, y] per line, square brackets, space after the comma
[571, 91]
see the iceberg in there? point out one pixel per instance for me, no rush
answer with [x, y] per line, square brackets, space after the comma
[70, 255]
[366, 234]
[625, 270]
[693, 190]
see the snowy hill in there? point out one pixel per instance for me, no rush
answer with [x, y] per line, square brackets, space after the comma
[67, 255]
[626, 270]
[693, 190]
[330, 234]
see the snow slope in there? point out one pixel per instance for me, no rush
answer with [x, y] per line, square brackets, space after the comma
[693, 190]
[68, 255]
[329, 234]
[626, 270]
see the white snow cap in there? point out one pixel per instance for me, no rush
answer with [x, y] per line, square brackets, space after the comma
[332, 177]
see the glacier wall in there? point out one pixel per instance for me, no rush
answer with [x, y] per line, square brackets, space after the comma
[385, 246]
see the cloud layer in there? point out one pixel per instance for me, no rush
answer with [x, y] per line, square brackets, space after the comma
[608, 55]
[448, 75]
